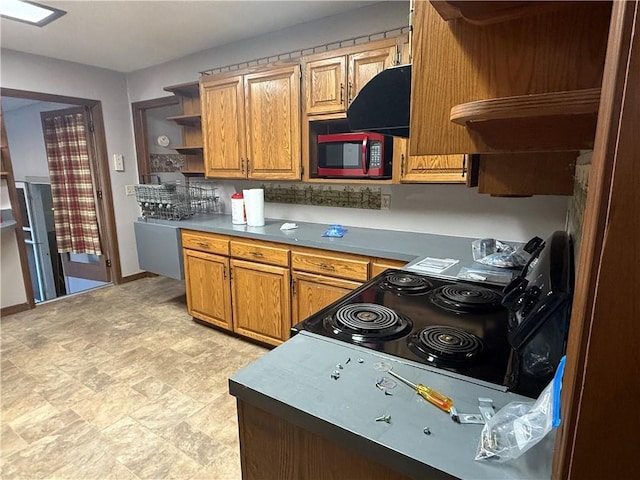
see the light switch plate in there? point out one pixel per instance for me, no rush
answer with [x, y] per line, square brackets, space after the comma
[118, 162]
[130, 190]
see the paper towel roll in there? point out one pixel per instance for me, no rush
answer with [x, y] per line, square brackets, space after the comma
[254, 204]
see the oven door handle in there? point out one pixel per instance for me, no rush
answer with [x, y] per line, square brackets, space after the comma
[365, 156]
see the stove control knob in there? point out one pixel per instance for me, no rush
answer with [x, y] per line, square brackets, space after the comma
[529, 299]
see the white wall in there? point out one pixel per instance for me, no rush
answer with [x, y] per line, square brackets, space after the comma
[40, 74]
[149, 83]
[26, 140]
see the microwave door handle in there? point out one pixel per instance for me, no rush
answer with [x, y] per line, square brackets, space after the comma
[365, 157]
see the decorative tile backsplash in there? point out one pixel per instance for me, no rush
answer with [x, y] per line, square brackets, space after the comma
[324, 195]
[166, 162]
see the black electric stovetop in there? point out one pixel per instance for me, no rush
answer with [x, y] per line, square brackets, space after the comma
[456, 326]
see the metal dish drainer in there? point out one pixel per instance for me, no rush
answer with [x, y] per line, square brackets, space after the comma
[171, 201]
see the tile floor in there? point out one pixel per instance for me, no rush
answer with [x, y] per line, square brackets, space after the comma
[120, 383]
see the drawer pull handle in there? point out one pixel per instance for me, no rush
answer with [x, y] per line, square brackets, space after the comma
[324, 266]
[257, 254]
[203, 244]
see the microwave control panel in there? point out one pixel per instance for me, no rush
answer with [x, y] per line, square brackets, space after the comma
[376, 154]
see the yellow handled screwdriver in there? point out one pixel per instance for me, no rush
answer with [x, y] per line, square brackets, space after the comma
[429, 394]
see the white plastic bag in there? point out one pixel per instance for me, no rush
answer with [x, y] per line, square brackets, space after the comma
[490, 251]
[518, 426]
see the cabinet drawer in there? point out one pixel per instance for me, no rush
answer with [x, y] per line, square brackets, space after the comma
[205, 242]
[351, 267]
[261, 252]
[379, 265]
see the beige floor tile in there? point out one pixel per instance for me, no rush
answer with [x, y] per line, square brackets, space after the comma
[83, 388]
[73, 443]
[225, 466]
[41, 422]
[146, 454]
[102, 465]
[10, 441]
[110, 405]
[165, 412]
[151, 387]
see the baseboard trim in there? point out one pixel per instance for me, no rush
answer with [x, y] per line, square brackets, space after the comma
[21, 307]
[137, 276]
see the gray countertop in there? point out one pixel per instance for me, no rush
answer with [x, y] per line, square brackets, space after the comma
[294, 381]
[391, 244]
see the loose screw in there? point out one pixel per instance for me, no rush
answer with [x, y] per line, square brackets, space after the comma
[348, 360]
[384, 418]
[387, 392]
[339, 366]
[360, 360]
[427, 431]
[335, 375]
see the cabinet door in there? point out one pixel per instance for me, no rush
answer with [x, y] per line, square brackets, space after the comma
[311, 293]
[379, 265]
[434, 169]
[272, 106]
[208, 288]
[261, 301]
[325, 83]
[223, 127]
[427, 168]
[364, 66]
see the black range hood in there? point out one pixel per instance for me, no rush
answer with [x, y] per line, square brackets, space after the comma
[383, 104]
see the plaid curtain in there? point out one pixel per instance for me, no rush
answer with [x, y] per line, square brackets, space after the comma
[74, 210]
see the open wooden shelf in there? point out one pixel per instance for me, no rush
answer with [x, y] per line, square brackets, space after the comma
[187, 149]
[485, 13]
[557, 120]
[190, 89]
[188, 120]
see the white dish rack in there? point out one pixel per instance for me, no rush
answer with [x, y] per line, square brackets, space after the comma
[171, 201]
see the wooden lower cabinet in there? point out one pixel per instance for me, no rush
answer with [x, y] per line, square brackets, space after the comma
[252, 288]
[261, 301]
[208, 288]
[379, 265]
[311, 293]
[271, 448]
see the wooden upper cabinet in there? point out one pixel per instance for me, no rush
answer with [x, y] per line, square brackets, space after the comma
[251, 125]
[223, 127]
[363, 66]
[529, 83]
[326, 85]
[333, 79]
[272, 104]
[434, 169]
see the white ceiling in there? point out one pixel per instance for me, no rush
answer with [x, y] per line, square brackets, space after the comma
[128, 35]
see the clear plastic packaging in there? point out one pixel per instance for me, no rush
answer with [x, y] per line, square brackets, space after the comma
[490, 251]
[518, 426]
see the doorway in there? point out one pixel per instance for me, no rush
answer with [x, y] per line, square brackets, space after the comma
[54, 274]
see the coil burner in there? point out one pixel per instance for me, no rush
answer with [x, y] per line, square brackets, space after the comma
[368, 321]
[439, 343]
[463, 298]
[404, 283]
